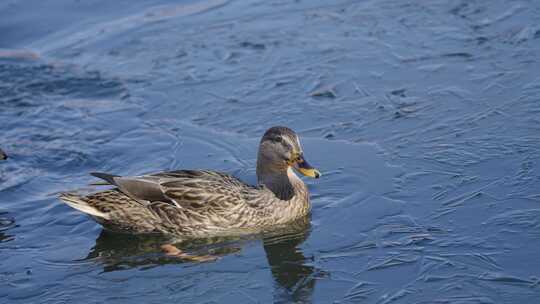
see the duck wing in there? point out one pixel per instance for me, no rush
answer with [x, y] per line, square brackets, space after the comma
[144, 189]
[182, 188]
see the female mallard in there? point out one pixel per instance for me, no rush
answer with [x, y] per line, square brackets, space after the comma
[189, 203]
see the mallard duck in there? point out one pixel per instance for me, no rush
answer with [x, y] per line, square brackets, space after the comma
[203, 203]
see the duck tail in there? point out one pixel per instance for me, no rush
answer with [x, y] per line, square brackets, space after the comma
[77, 202]
[109, 178]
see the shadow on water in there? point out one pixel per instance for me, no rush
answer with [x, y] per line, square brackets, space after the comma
[293, 274]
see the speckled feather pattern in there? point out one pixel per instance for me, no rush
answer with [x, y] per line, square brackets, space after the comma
[201, 203]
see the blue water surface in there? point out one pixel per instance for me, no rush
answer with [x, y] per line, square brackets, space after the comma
[424, 117]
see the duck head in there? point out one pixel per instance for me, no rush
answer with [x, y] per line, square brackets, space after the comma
[279, 150]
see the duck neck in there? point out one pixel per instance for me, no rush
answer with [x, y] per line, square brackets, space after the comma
[283, 183]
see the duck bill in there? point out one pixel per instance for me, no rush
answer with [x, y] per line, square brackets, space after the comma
[306, 169]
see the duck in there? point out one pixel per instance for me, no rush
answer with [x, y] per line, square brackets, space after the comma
[205, 203]
[3, 155]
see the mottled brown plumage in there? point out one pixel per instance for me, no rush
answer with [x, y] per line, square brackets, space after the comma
[202, 203]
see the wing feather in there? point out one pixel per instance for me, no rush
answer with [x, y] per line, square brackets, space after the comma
[191, 189]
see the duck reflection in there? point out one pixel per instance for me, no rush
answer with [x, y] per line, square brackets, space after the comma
[293, 274]
[122, 251]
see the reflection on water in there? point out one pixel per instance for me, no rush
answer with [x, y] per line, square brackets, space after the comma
[122, 251]
[293, 273]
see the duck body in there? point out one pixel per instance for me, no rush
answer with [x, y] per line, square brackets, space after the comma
[204, 203]
[190, 203]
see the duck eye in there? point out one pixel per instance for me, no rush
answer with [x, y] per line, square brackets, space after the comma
[278, 138]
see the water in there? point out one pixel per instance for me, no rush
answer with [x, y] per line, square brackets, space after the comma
[424, 118]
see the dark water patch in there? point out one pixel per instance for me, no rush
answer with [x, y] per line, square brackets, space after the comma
[6, 223]
[253, 45]
[465, 9]
[34, 82]
[457, 55]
